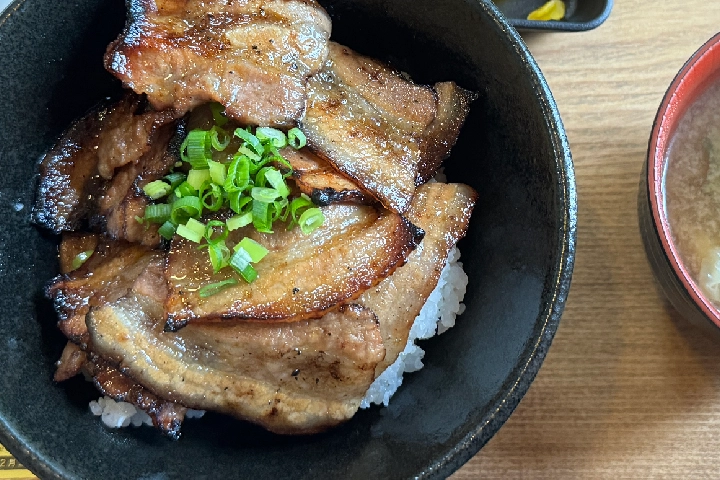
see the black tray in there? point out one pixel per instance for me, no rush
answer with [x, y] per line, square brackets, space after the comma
[580, 14]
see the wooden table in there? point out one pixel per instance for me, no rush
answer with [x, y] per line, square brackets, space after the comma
[628, 389]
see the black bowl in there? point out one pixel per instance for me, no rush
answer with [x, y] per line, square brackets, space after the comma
[519, 255]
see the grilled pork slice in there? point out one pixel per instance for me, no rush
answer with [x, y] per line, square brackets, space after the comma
[72, 244]
[166, 416]
[121, 201]
[453, 106]
[77, 168]
[290, 377]
[320, 181]
[252, 56]
[303, 276]
[443, 211]
[299, 377]
[72, 360]
[378, 128]
[109, 274]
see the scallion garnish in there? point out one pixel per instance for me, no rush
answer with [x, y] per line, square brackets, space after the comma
[246, 180]
[167, 230]
[217, 287]
[175, 179]
[81, 258]
[157, 189]
[255, 250]
[296, 138]
[311, 219]
[199, 179]
[185, 208]
[219, 138]
[192, 230]
[278, 138]
[240, 262]
[158, 213]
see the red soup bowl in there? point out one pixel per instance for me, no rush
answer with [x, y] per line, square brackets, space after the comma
[677, 209]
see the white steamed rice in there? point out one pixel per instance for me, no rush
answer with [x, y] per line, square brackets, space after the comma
[122, 414]
[437, 315]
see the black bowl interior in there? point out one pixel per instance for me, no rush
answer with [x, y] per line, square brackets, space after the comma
[518, 254]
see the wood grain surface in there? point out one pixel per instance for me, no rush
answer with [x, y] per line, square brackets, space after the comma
[628, 389]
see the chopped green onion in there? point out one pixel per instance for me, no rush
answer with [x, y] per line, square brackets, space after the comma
[297, 206]
[175, 179]
[238, 176]
[250, 154]
[276, 137]
[240, 262]
[239, 221]
[239, 203]
[81, 258]
[218, 113]
[218, 172]
[262, 217]
[217, 287]
[264, 194]
[185, 190]
[158, 213]
[255, 250]
[219, 255]
[196, 226]
[250, 139]
[215, 196]
[219, 138]
[210, 230]
[185, 208]
[167, 230]
[193, 230]
[157, 189]
[296, 138]
[198, 179]
[189, 234]
[275, 178]
[280, 209]
[252, 184]
[310, 220]
[196, 149]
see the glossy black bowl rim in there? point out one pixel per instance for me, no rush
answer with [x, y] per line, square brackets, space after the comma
[560, 25]
[535, 353]
[532, 357]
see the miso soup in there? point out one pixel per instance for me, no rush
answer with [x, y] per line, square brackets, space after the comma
[692, 191]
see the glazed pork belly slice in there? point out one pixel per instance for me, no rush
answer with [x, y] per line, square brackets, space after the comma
[297, 377]
[291, 378]
[320, 181]
[77, 169]
[71, 362]
[378, 128]
[166, 416]
[443, 212]
[252, 56]
[121, 200]
[136, 270]
[109, 274]
[438, 139]
[303, 276]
